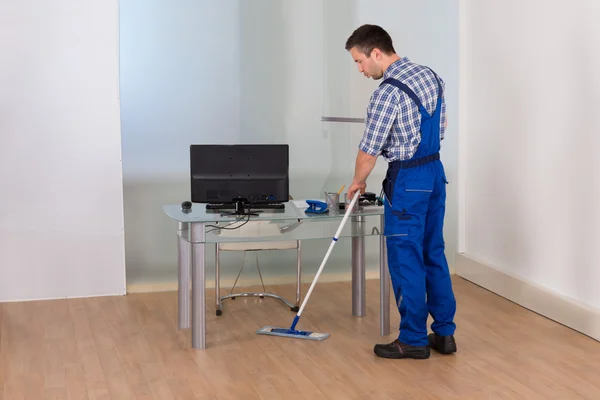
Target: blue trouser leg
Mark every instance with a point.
(440, 297)
(405, 234)
(409, 282)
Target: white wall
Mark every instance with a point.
(529, 142)
(281, 66)
(61, 218)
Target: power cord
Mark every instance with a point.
(227, 227)
(380, 200)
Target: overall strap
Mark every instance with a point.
(404, 88)
(439, 84)
(409, 92)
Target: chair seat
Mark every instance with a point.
(255, 246)
(256, 229)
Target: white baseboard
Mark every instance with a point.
(554, 306)
(171, 285)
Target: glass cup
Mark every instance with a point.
(347, 201)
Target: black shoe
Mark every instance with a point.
(443, 344)
(397, 349)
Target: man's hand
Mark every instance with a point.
(354, 187)
(364, 165)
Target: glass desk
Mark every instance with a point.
(199, 227)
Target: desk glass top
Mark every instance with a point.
(292, 223)
(291, 212)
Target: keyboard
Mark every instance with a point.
(262, 206)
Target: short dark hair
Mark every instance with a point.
(367, 37)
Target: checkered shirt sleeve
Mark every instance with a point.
(381, 113)
(387, 105)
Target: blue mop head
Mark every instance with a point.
(292, 333)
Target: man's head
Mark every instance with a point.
(372, 49)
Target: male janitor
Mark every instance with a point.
(405, 123)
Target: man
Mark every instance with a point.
(405, 123)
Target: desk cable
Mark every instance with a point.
(228, 226)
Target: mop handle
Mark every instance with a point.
(335, 238)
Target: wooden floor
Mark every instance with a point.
(129, 348)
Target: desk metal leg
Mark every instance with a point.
(299, 275)
(359, 305)
(197, 237)
(184, 260)
(384, 284)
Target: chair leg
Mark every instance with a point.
(217, 281)
(298, 277)
(263, 294)
(238, 275)
(260, 275)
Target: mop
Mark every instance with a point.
(291, 331)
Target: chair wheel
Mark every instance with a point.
(233, 298)
(262, 297)
(219, 312)
(295, 309)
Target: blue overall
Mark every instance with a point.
(415, 192)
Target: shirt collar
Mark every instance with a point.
(395, 67)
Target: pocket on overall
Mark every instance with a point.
(407, 212)
(411, 199)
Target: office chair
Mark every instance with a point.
(256, 229)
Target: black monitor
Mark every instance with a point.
(240, 174)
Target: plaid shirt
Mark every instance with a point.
(393, 119)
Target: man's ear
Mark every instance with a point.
(377, 54)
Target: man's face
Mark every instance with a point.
(368, 66)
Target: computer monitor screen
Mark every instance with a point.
(229, 173)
